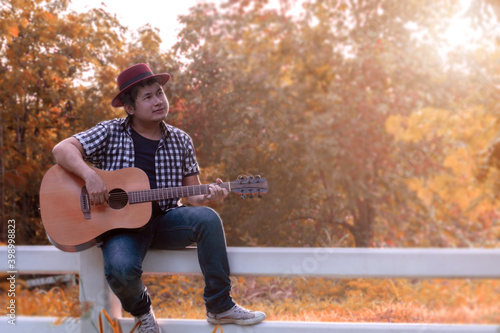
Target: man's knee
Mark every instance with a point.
(210, 217)
(120, 274)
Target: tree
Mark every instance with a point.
(304, 99)
(236, 93)
(463, 210)
(45, 54)
(315, 100)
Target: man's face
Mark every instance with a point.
(151, 104)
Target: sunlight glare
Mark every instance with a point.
(460, 32)
(162, 15)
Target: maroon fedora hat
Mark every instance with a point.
(133, 75)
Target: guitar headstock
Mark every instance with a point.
(253, 186)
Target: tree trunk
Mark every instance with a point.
(363, 223)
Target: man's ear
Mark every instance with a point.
(129, 109)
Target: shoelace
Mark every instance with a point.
(236, 309)
(242, 310)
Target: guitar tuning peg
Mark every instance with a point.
(258, 178)
(259, 196)
(243, 196)
(252, 196)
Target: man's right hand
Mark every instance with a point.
(96, 188)
(69, 154)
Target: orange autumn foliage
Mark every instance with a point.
(298, 299)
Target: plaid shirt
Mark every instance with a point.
(109, 146)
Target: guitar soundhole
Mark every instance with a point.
(118, 198)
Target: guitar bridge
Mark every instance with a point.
(85, 203)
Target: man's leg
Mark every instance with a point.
(184, 226)
(123, 255)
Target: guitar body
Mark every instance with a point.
(72, 224)
(69, 226)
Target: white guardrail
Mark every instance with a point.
(284, 262)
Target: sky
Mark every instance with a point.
(134, 14)
(163, 15)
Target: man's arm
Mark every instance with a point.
(69, 154)
(216, 192)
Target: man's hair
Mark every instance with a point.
(129, 97)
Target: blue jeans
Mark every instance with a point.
(124, 253)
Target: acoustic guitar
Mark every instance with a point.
(72, 224)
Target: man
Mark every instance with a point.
(167, 155)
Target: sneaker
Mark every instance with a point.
(147, 323)
(236, 315)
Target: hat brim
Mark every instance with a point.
(117, 101)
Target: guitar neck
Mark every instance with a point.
(171, 192)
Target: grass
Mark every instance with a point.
(296, 299)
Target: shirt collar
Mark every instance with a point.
(127, 126)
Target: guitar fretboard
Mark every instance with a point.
(169, 193)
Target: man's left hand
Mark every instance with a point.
(216, 193)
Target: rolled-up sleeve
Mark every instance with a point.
(94, 143)
(191, 166)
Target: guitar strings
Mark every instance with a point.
(121, 197)
(118, 197)
(168, 191)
